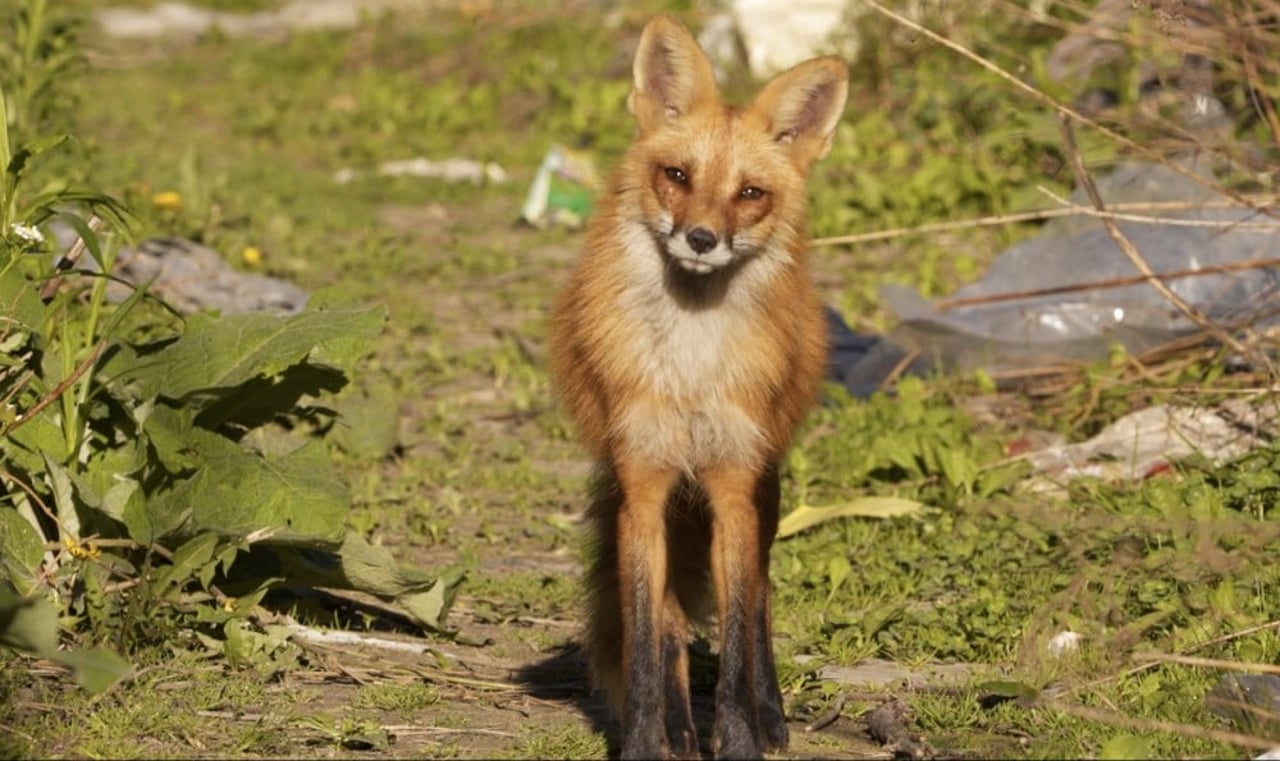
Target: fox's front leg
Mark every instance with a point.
(772, 728)
(682, 741)
(642, 577)
(741, 604)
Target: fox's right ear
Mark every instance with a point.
(803, 104)
(672, 76)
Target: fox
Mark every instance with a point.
(687, 345)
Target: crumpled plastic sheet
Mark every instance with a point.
(1024, 333)
(1083, 325)
(1150, 440)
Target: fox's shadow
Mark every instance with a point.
(561, 677)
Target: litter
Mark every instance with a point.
(450, 170)
(1147, 442)
(1070, 294)
(563, 190)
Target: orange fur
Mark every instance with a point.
(687, 345)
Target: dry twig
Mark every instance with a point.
(1121, 211)
(68, 260)
(1213, 663)
(1115, 282)
(1131, 252)
(1063, 109)
(1153, 725)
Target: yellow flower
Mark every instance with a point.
(168, 199)
(87, 551)
(251, 255)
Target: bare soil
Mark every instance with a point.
(513, 670)
(509, 681)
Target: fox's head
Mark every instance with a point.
(718, 184)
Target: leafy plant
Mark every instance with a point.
(38, 61)
(916, 440)
(159, 475)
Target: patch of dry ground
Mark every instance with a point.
(510, 682)
(513, 673)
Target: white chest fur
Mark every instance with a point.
(695, 365)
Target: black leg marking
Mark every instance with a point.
(642, 724)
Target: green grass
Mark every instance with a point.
(158, 714)
(561, 742)
(400, 698)
(249, 134)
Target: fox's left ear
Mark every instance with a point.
(803, 105)
(672, 76)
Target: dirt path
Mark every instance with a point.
(512, 683)
(487, 477)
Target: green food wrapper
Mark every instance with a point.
(563, 191)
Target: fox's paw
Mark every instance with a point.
(771, 726)
(644, 740)
(684, 744)
(733, 737)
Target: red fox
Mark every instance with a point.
(687, 345)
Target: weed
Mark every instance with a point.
(235, 143)
(131, 472)
(404, 699)
(572, 741)
(347, 733)
(39, 62)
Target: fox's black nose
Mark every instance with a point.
(701, 240)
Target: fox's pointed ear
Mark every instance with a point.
(803, 105)
(672, 76)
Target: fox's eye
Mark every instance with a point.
(751, 193)
(677, 175)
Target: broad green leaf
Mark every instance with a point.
(116, 501)
(806, 516)
(901, 450)
(235, 492)
(348, 347)
(245, 644)
(227, 555)
(958, 468)
(188, 561)
(260, 400)
(21, 157)
(358, 565)
(1007, 689)
(63, 498)
(36, 438)
(838, 569)
(137, 519)
(96, 669)
(105, 475)
(28, 623)
(227, 351)
(238, 645)
(430, 608)
(86, 234)
(170, 433)
(368, 426)
(1124, 746)
(1002, 477)
(21, 550)
(19, 302)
